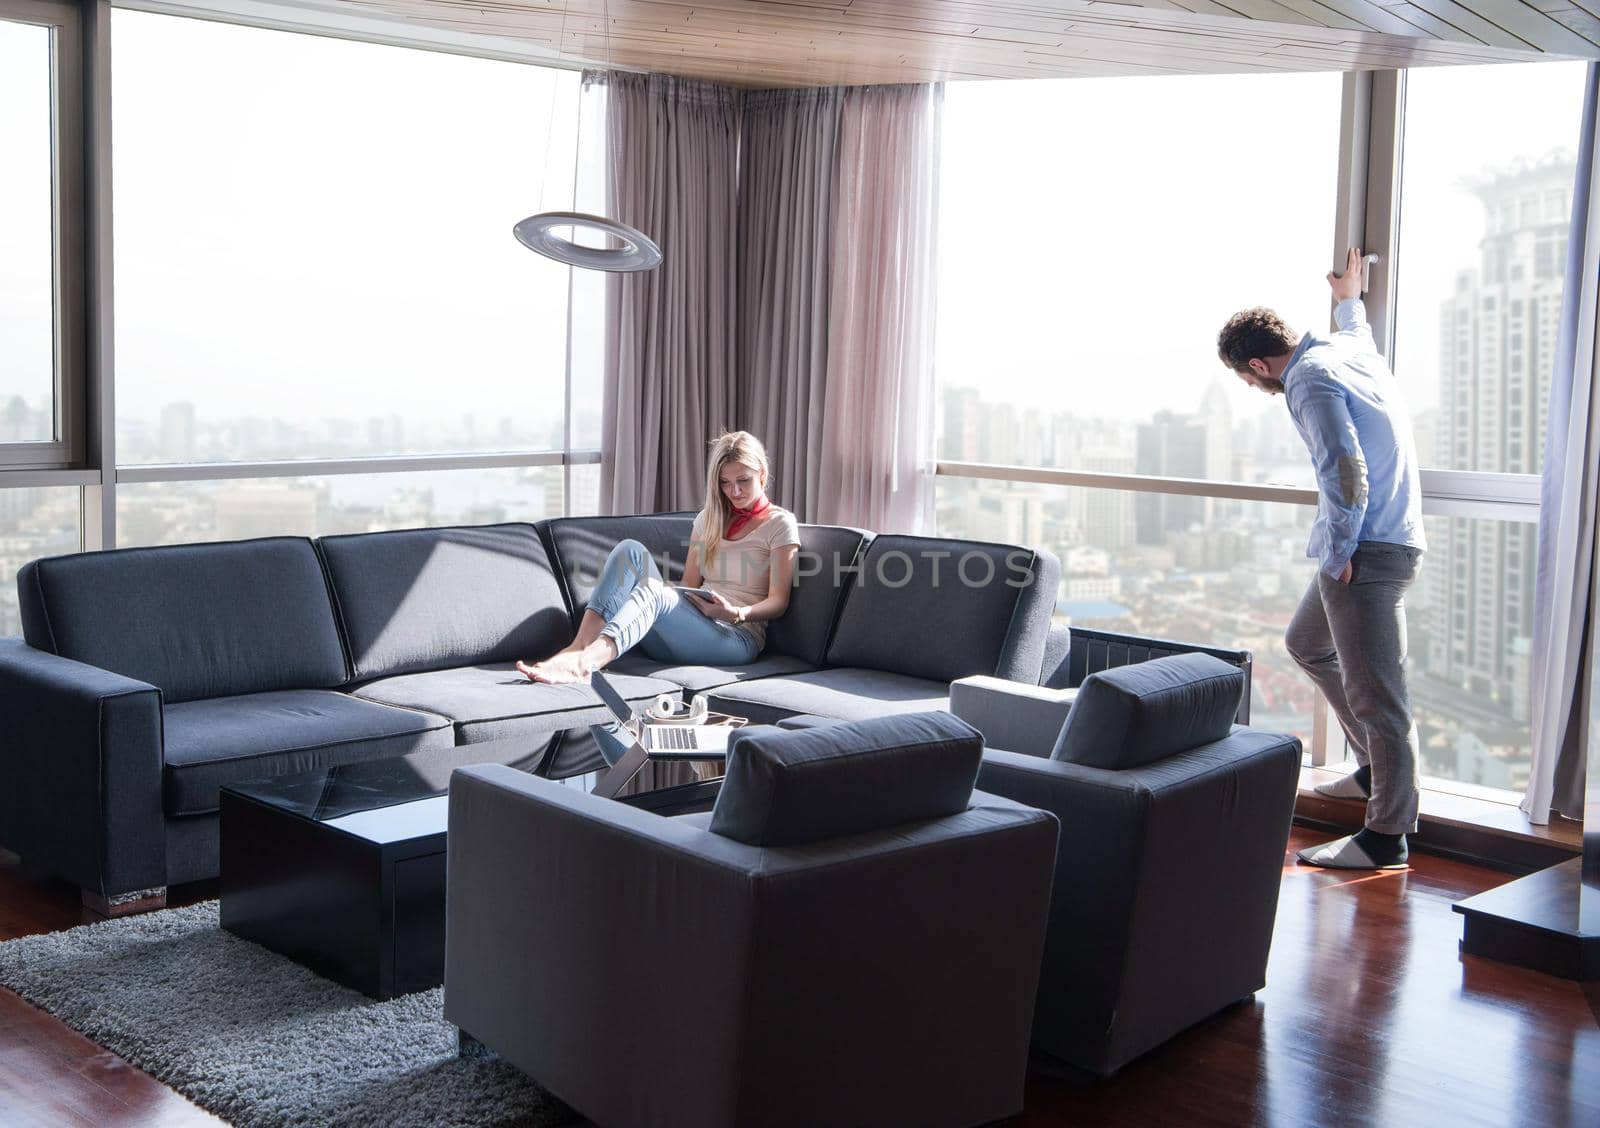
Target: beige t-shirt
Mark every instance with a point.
(741, 571)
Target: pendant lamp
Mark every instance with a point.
(539, 232)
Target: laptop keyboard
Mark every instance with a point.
(677, 739)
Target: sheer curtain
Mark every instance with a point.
(1563, 610)
(787, 152)
(875, 463)
(795, 298)
(668, 374)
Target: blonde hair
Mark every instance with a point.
(734, 446)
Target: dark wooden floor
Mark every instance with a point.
(1370, 1016)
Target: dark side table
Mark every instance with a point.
(343, 870)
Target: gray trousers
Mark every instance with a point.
(1351, 640)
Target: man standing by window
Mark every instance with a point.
(1349, 633)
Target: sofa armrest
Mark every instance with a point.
(1012, 715)
(583, 935)
(81, 753)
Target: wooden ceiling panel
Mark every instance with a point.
(852, 42)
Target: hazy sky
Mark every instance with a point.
(1089, 257)
(310, 227)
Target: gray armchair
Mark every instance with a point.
(1174, 824)
(852, 936)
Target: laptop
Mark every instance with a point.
(661, 741)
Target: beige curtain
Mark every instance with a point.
(672, 152)
(788, 148)
(1564, 612)
(874, 465)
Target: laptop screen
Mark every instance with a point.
(608, 693)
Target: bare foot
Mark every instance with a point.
(558, 669)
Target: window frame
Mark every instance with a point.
(68, 243)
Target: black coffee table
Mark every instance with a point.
(343, 870)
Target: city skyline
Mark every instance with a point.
(1231, 573)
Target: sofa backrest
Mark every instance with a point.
(429, 599)
(579, 547)
(196, 621)
(948, 609)
(787, 788)
(1135, 715)
(1072, 654)
(824, 572)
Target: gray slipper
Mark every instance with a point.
(1345, 787)
(1345, 854)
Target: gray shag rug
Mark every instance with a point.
(256, 1038)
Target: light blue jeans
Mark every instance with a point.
(641, 610)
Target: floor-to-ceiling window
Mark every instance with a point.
(1489, 160)
(321, 321)
(314, 263)
(41, 296)
(1096, 233)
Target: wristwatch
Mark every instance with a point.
(742, 613)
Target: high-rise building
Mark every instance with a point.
(1496, 356)
(1216, 416)
(960, 440)
(1169, 446)
(1104, 518)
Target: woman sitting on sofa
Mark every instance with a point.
(741, 550)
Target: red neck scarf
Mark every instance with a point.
(743, 517)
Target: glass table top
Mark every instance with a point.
(407, 796)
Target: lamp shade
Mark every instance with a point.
(538, 233)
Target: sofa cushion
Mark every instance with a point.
(1134, 715)
(579, 547)
(491, 702)
(196, 621)
(947, 609)
(698, 679)
(824, 568)
(428, 599)
(787, 788)
(846, 694)
(227, 739)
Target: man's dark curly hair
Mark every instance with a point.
(1254, 334)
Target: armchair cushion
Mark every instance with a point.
(786, 788)
(1135, 715)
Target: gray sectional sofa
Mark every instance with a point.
(147, 679)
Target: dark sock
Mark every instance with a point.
(1385, 849)
(1363, 776)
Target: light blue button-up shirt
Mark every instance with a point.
(1352, 415)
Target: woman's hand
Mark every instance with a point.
(717, 607)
